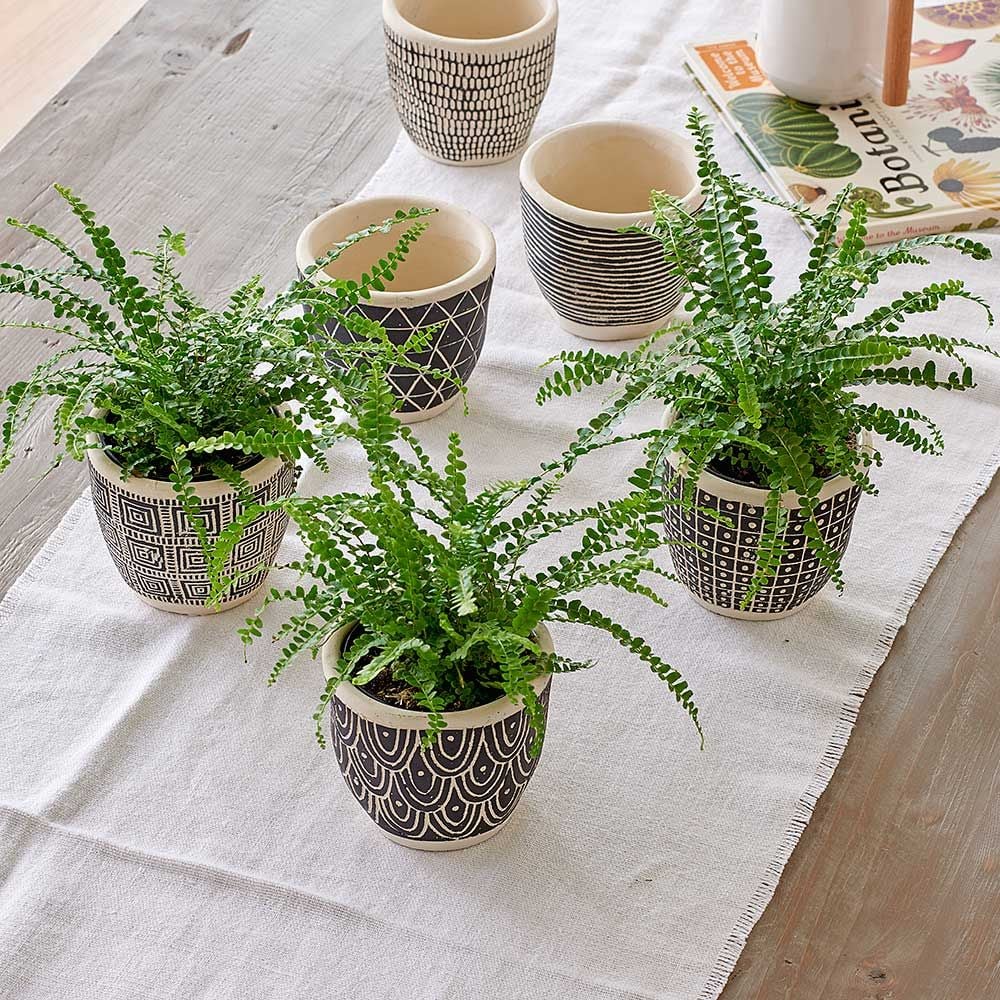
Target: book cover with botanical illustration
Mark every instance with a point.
(932, 165)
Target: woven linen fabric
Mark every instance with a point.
(169, 830)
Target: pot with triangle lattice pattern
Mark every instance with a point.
(445, 282)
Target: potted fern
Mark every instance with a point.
(186, 414)
(433, 633)
(768, 439)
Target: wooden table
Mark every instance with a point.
(186, 119)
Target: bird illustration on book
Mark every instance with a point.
(928, 53)
(957, 141)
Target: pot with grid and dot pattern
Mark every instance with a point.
(715, 556)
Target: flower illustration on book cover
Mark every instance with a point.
(946, 97)
(970, 14)
(971, 183)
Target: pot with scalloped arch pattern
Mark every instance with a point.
(454, 794)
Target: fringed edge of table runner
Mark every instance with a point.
(802, 813)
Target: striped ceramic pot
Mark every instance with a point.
(157, 552)
(468, 76)
(715, 557)
(445, 281)
(580, 186)
(456, 793)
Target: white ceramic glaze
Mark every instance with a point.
(822, 51)
(467, 77)
(482, 26)
(445, 279)
(580, 186)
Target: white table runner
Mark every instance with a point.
(168, 828)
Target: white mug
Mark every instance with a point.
(822, 51)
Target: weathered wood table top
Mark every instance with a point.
(183, 119)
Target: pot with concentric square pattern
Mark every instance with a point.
(456, 793)
(468, 76)
(158, 553)
(716, 539)
(444, 283)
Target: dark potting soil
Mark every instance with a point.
(160, 473)
(737, 467)
(391, 691)
(384, 688)
(237, 460)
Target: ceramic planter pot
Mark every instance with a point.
(446, 279)
(154, 547)
(580, 186)
(716, 561)
(458, 792)
(467, 77)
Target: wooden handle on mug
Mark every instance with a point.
(898, 38)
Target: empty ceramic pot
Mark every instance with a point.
(469, 77)
(445, 281)
(158, 553)
(457, 792)
(580, 186)
(716, 559)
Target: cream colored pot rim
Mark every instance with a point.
(403, 718)
(692, 200)
(754, 496)
(384, 206)
(160, 488)
(542, 27)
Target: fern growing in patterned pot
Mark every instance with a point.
(185, 415)
(432, 630)
(772, 408)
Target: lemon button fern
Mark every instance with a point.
(185, 391)
(435, 576)
(777, 388)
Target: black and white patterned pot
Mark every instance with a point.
(468, 76)
(158, 553)
(445, 281)
(454, 794)
(580, 186)
(715, 558)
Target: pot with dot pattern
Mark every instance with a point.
(468, 78)
(715, 541)
(457, 792)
